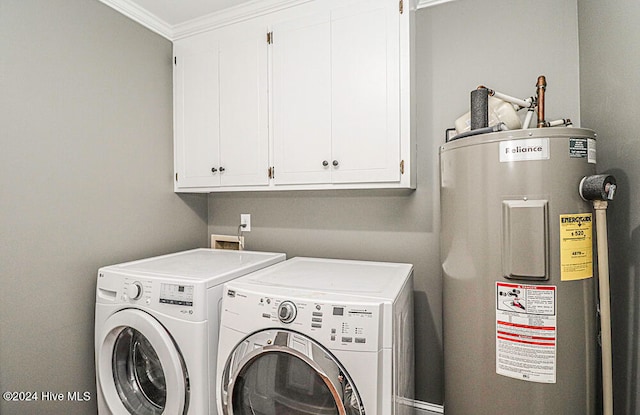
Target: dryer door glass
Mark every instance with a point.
(138, 374)
(278, 372)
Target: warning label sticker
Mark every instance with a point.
(526, 332)
(583, 148)
(578, 148)
(576, 249)
(591, 144)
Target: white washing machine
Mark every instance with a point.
(156, 330)
(317, 337)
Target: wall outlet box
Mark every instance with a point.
(245, 222)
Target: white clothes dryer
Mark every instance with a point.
(317, 337)
(156, 330)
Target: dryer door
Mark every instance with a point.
(140, 369)
(276, 372)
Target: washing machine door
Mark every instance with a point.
(140, 369)
(277, 372)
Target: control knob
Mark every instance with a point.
(134, 290)
(287, 312)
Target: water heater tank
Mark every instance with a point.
(519, 309)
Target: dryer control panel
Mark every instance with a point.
(338, 325)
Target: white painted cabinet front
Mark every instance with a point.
(221, 113)
(365, 93)
(301, 101)
(196, 114)
(337, 112)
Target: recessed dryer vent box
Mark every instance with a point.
(227, 242)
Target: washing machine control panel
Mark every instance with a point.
(142, 291)
(176, 294)
(339, 325)
(287, 312)
(135, 290)
(180, 299)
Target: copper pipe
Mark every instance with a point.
(541, 86)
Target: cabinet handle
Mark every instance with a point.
(222, 169)
(213, 170)
(335, 163)
(325, 163)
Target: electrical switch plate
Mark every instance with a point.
(245, 219)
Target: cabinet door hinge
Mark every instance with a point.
(270, 37)
(402, 167)
(176, 177)
(272, 172)
(175, 60)
(401, 6)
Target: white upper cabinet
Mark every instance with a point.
(221, 112)
(336, 96)
(318, 95)
(301, 99)
(196, 114)
(365, 92)
(244, 128)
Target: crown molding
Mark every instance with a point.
(142, 16)
(214, 20)
(232, 15)
(428, 3)
(210, 21)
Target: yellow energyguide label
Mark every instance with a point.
(576, 247)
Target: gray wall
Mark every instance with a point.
(85, 181)
(86, 164)
(609, 68)
(460, 45)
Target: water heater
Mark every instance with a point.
(519, 299)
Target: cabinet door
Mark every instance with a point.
(196, 113)
(365, 92)
(301, 100)
(244, 135)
